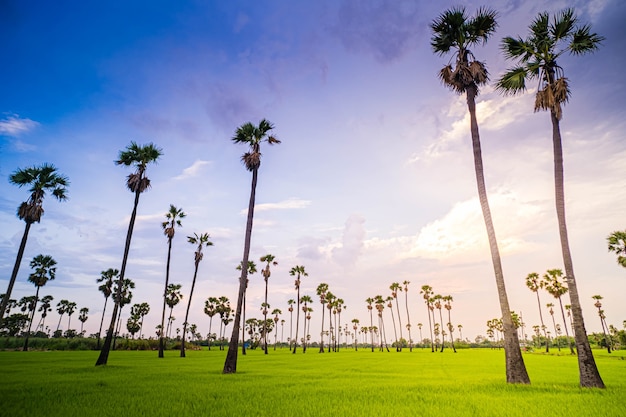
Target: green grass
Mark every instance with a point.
(347, 383)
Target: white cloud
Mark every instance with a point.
(289, 204)
(353, 241)
(192, 171)
(13, 125)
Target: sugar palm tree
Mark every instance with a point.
(251, 270)
(340, 307)
(331, 302)
(380, 306)
(447, 299)
(305, 300)
(122, 297)
(389, 301)
(455, 31)
(268, 259)
(556, 289)
(550, 307)
(252, 136)
(45, 307)
(61, 309)
(598, 305)
(106, 288)
(395, 288)
(137, 156)
(617, 243)
(534, 283)
(536, 58)
(355, 326)
(83, 316)
(290, 303)
(142, 311)
(172, 220)
(200, 241)
(299, 272)
(370, 308)
(210, 309)
(437, 304)
(173, 295)
(408, 318)
(44, 269)
(321, 291)
(427, 292)
(276, 312)
(40, 179)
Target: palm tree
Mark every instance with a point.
(380, 306)
(45, 307)
(251, 270)
(122, 297)
(269, 259)
(427, 292)
(369, 302)
(199, 241)
(598, 305)
(297, 271)
(142, 311)
(40, 179)
(339, 307)
(556, 289)
(173, 295)
(290, 303)
(276, 312)
(304, 300)
(408, 318)
(355, 326)
(551, 311)
(331, 303)
(107, 277)
(419, 326)
(252, 136)
(448, 306)
(44, 269)
(395, 287)
(61, 309)
(534, 284)
(210, 309)
(321, 291)
(455, 31)
(537, 57)
(84, 315)
(173, 218)
(437, 304)
(389, 300)
(138, 156)
(617, 243)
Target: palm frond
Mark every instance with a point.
(562, 24)
(479, 72)
(448, 30)
(513, 81)
(482, 25)
(513, 48)
(583, 41)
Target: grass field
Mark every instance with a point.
(346, 383)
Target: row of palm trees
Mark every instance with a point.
(535, 58)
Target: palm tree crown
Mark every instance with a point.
(253, 136)
(138, 156)
(455, 30)
(41, 179)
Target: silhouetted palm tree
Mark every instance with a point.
(268, 259)
(44, 270)
(106, 288)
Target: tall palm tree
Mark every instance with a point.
(61, 309)
(380, 306)
(173, 219)
(290, 303)
(437, 304)
(370, 308)
(551, 311)
(419, 326)
(534, 283)
(173, 295)
(331, 303)
(408, 318)
(617, 243)
(40, 179)
(389, 301)
(427, 292)
(598, 305)
(395, 288)
(447, 299)
(142, 310)
(45, 307)
(83, 316)
(305, 300)
(44, 269)
(276, 312)
(321, 291)
(556, 289)
(137, 156)
(536, 57)
(251, 270)
(252, 136)
(355, 326)
(269, 259)
(340, 307)
(106, 288)
(122, 297)
(455, 31)
(298, 271)
(199, 241)
(210, 309)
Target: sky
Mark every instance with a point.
(372, 184)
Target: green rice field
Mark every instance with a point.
(345, 383)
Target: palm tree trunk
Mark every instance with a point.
(430, 326)
(589, 375)
(230, 364)
(167, 280)
(265, 318)
(16, 268)
(104, 353)
(569, 343)
(371, 330)
(295, 345)
(395, 332)
(408, 320)
(399, 348)
(102, 321)
(443, 339)
(193, 284)
(515, 368)
(322, 333)
(30, 324)
(543, 326)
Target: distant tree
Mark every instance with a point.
(268, 259)
(617, 244)
(321, 291)
(305, 300)
(370, 308)
(210, 309)
(554, 286)
(298, 271)
(40, 179)
(173, 295)
(408, 318)
(534, 283)
(83, 316)
(395, 288)
(427, 292)
(45, 307)
(44, 269)
(139, 157)
(62, 307)
(106, 288)
(598, 305)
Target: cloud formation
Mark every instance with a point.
(13, 125)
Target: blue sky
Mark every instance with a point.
(373, 182)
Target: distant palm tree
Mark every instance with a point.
(61, 309)
(142, 311)
(173, 218)
(437, 304)
(551, 311)
(305, 300)
(380, 306)
(199, 241)
(84, 315)
(331, 303)
(40, 179)
(173, 295)
(419, 326)
(44, 269)
(252, 136)
(268, 259)
(617, 243)
(139, 157)
(210, 309)
(369, 302)
(598, 305)
(408, 318)
(389, 300)
(122, 297)
(395, 288)
(427, 292)
(455, 31)
(107, 277)
(447, 299)
(45, 307)
(556, 289)
(321, 291)
(298, 271)
(251, 270)
(340, 306)
(290, 303)
(534, 284)
(536, 57)
(276, 312)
